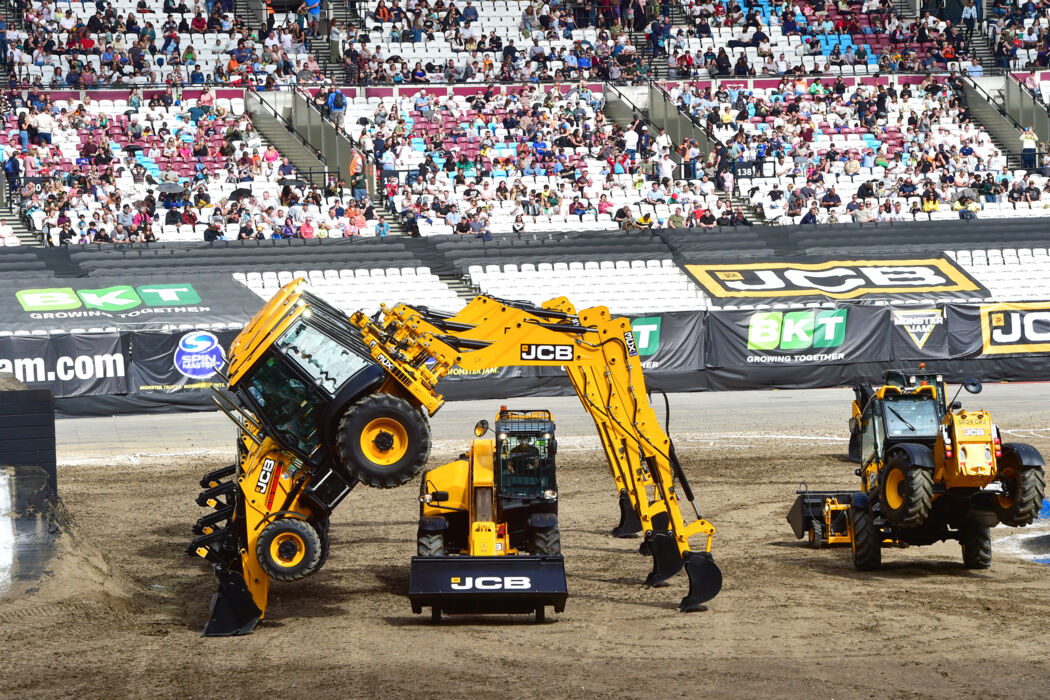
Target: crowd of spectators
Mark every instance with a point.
(431, 42)
(91, 45)
(164, 170)
(527, 160)
(1018, 33)
(828, 151)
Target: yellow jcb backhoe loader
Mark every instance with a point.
(930, 471)
(324, 402)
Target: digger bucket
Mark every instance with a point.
(705, 578)
(473, 585)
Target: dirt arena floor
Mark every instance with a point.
(121, 609)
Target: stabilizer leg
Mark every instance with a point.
(233, 611)
(705, 580)
(629, 525)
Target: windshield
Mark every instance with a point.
(910, 417)
(286, 402)
(328, 362)
(525, 464)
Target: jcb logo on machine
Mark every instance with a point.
(385, 361)
(973, 431)
(265, 474)
(1015, 328)
(547, 353)
(836, 279)
(491, 583)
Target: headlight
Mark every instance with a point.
(550, 494)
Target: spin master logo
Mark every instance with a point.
(199, 355)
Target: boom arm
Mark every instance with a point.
(419, 347)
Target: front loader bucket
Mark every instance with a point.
(472, 585)
(233, 611)
(705, 580)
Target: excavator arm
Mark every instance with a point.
(418, 347)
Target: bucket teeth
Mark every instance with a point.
(214, 478)
(211, 522)
(217, 496)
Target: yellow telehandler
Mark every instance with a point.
(324, 402)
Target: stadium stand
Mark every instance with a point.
(485, 41)
(154, 42)
(832, 151)
(122, 155)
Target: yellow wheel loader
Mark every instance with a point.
(488, 539)
(324, 402)
(930, 471)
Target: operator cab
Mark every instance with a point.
(314, 367)
(525, 450)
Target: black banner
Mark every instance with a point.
(126, 302)
(69, 364)
(919, 333)
(806, 280)
(176, 362)
(996, 330)
(798, 337)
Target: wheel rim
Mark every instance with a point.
(1008, 477)
(287, 549)
(895, 482)
(384, 441)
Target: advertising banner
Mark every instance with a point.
(69, 365)
(174, 362)
(919, 333)
(805, 281)
(798, 337)
(993, 330)
(126, 302)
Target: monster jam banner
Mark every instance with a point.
(69, 365)
(801, 337)
(919, 333)
(131, 302)
(175, 362)
(996, 330)
(806, 280)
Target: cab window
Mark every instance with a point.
(326, 361)
(287, 403)
(910, 417)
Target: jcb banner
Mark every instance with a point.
(731, 283)
(1015, 329)
(799, 337)
(919, 333)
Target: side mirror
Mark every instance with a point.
(956, 405)
(854, 426)
(972, 386)
(481, 427)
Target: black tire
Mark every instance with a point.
(288, 549)
(1022, 496)
(546, 541)
(905, 493)
(976, 542)
(402, 436)
(867, 541)
(816, 534)
(430, 544)
(322, 532)
(854, 447)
